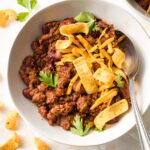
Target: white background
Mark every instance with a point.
(7, 36)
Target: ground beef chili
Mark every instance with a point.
(53, 103)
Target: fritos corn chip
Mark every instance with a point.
(110, 113)
(40, 144)
(6, 16)
(2, 105)
(12, 144)
(12, 120)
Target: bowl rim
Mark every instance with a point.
(138, 9)
(53, 3)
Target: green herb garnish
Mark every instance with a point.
(23, 3)
(33, 3)
(88, 18)
(78, 126)
(28, 4)
(49, 78)
(120, 83)
(22, 16)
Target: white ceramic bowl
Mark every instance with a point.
(32, 29)
(138, 9)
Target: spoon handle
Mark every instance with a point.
(143, 135)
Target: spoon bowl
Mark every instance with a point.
(132, 60)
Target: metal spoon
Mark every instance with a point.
(133, 63)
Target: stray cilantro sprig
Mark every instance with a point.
(49, 78)
(120, 83)
(23, 3)
(33, 3)
(88, 18)
(78, 127)
(22, 16)
(29, 5)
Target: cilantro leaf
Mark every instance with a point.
(88, 18)
(78, 126)
(23, 3)
(49, 78)
(84, 17)
(120, 83)
(87, 128)
(56, 79)
(95, 27)
(91, 25)
(22, 16)
(33, 3)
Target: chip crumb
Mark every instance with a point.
(12, 120)
(12, 144)
(3, 19)
(6, 16)
(12, 15)
(40, 144)
(2, 105)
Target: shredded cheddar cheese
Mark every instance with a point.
(71, 84)
(102, 81)
(84, 42)
(106, 43)
(105, 97)
(103, 33)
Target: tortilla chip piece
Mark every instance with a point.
(63, 44)
(110, 113)
(12, 15)
(105, 97)
(104, 75)
(2, 105)
(40, 144)
(105, 86)
(3, 19)
(120, 72)
(118, 58)
(110, 49)
(68, 30)
(12, 144)
(85, 74)
(12, 120)
(6, 16)
(74, 28)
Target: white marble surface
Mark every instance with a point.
(128, 141)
